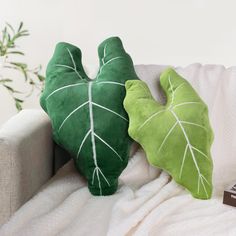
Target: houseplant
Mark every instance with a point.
(9, 52)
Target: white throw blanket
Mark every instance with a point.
(147, 202)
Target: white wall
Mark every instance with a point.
(177, 32)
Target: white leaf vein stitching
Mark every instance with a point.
(108, 145)
(74, 68)
(151, 117)
(105, 108)
(64, 87)
(110, 82)
(76, 109)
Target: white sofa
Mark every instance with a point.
(26, 159)
(147, 202)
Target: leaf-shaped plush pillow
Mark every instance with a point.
(176, 136)
(87, 115)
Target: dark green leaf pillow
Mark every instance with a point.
(176, 136)
(87, 115)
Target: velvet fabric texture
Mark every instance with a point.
(176, 136)
(87, 115)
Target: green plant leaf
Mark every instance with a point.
(40, 77)
(10, 26)
(9, 88)
(18, 104)
(19, 100)
(5, 80)
(20, 34)
(20, 27)
(22, 67)
(176, 136)
(19, 64)
(16, 52)
(4, 36)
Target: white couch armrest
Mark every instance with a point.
(26, 159)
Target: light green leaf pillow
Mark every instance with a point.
(88, 117)
(176, 136)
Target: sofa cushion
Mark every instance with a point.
(87, 115)
(176, 136)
